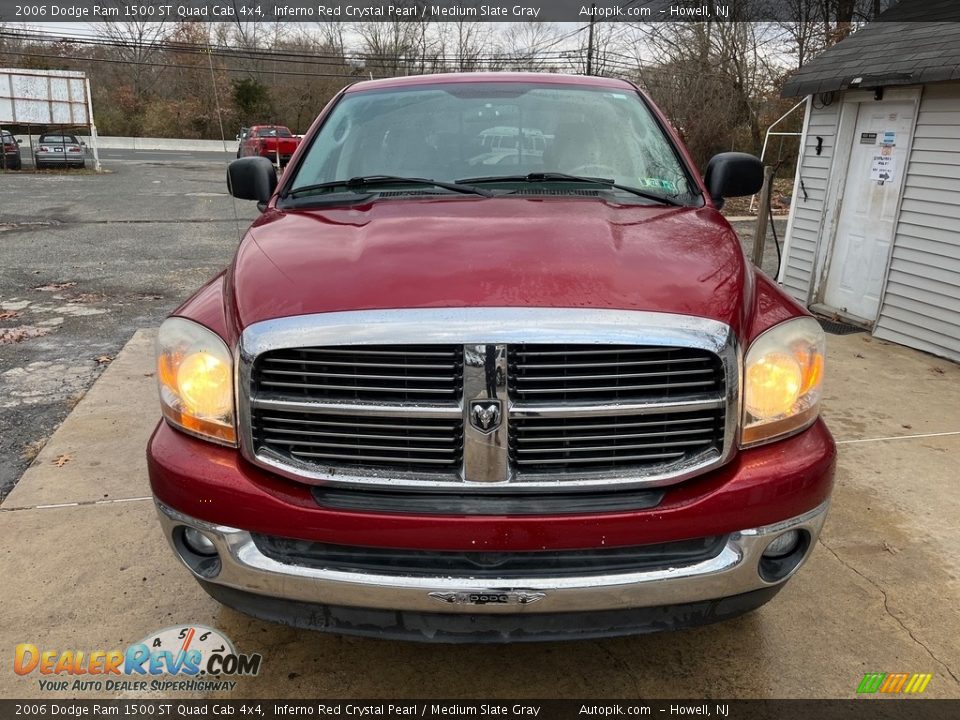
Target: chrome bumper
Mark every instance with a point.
(732, 572)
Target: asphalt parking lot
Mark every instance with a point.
(91, 266)
(89, 259)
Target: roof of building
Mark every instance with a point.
(915, 42)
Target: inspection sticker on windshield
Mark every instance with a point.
(658, 183)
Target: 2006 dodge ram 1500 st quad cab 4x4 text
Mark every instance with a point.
(436, 399)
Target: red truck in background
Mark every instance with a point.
(441, 399)
(274, 142)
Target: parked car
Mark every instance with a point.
(550, 403)
(11, 151)
(275, 142)
(58, 150)
(241, 137)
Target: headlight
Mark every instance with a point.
(195, 373)
(783, 373)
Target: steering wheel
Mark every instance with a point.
(595, 170)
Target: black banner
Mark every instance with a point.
(644, 11)
(877, 708)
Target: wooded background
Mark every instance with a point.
(718, 82)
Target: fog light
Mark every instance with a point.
(197, 542)
(782, 545)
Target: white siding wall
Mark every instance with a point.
(808, 215)
(921, 307)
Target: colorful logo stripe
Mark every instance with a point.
(893, 683)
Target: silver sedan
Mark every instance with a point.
(58, 150)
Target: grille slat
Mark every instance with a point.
(356, 446)
(358, 436)
(452, 352)
(382, 389)
(625, 459)
(347, 423)
(358, 363)
(391, 460)
(615, 389)
(604, 448)
(623, 363)
(578, 438)
(346, 376)
(575, 350)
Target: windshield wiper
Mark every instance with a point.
(537, 177)
(366, 182)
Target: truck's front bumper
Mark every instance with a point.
(730, 583)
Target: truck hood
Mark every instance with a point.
(501, 252)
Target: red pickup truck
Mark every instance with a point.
(434, 399)
(274, 142)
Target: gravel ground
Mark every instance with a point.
(89, 259)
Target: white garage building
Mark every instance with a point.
(874, 230)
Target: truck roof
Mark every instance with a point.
(487, 77)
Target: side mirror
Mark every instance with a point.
(733, 174)
(252, 178)
(19, 141)
(237, 138)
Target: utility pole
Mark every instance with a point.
(593, 10)
(763, 216)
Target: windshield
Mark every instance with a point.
(274, 132)
(68, 139)
(474, 130)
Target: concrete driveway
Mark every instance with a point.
(85, 567)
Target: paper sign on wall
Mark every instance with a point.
(889, 137)
(883, 167)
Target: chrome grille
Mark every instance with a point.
(405, 443)
(489, 401)
(578, 373)
(395, 373)
(548, 445)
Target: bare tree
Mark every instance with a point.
(390, 47)
(138, 44)
(529, 43)
(464, 43)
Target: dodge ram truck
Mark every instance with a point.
(436, 399)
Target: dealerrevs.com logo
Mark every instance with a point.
(186, 658)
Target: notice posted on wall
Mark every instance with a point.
(883, 168)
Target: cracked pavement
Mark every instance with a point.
(88, 259)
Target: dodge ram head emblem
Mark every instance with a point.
(485, 415)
